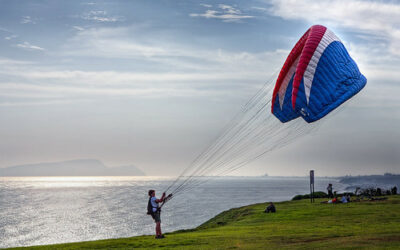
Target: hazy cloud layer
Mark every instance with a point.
(153, 83)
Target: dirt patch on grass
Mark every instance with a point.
(386, 238)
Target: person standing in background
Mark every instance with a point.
(330, 188)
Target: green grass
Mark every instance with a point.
(296, 225)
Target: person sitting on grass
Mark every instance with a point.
(270, 208)
(334, 200)
(154, 210)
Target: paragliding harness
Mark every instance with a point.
(150, 206)
(150, 209)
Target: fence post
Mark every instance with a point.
(312, 186)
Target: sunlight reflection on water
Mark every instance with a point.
(76, 181)
(47, 210)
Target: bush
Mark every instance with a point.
(307, 196)
(372, 191)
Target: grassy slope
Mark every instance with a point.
(297, 224)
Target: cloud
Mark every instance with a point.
(6, 62)
(218, 73)
(229, 9)
(110, 43)
(259, 9)
(224, 12)
(378, 19)
(4, 29)
(101, 16)
(86, 91)
(117, 43)
(78, 28)
(236, 70)
(206, 5)
(10, 37)
(175, 68)
(28, 46)
(118, 78)
(27, 19)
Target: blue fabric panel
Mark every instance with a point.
(287, 113)
(337, 79)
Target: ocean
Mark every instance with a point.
(49, 210)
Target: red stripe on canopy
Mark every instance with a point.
(315, 34)
(288, 63)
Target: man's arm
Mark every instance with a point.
(161, 199)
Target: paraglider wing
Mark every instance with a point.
(325, 77)
(281, 98)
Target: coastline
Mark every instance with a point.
(297, 224)
(76, 209)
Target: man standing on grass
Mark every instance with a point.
(330, 189)
(154, 210)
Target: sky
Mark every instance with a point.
(151, 83)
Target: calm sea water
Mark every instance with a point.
(48, 210)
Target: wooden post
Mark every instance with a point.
(312, 186)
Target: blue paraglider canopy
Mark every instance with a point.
(317, 77)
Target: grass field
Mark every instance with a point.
(296, 225)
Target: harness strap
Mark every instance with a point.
(151, 204)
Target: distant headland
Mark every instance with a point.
(386, 178)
